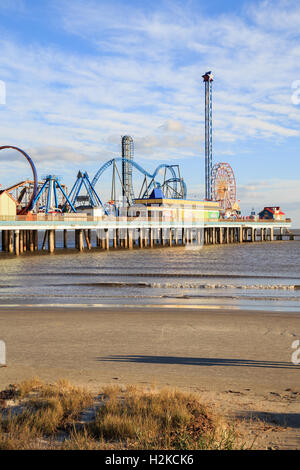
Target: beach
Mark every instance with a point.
(237, 359)
(219, 321)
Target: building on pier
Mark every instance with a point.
(8, 205)
(178, 210)
(272, 213)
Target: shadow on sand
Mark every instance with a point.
(198, 361)
(291, 420)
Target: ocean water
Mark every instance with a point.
(253, 275)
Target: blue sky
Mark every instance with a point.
(79, 74)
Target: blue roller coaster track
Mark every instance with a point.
(173, 180)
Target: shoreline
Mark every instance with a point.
(229, 309)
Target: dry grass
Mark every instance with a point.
(28, 386)
(41, 411)
(47, 416)
(165, 419)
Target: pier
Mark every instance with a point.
(21, 236)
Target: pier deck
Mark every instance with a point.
(21, 235)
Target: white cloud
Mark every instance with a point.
(280, 16)
(172, 126)
(141, 75)
(143, 84)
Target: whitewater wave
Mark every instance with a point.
(181, 285)
(223, 286)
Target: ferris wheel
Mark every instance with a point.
(223, 185)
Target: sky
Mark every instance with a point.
(78, 75)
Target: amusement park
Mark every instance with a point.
(160, 192)
(129, 182)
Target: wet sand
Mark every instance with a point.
(240, 360)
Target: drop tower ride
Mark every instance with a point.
(208, 79)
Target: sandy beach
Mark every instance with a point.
(238, 360)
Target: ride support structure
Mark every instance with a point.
(91, 197)
(52, 186)
(127, 156)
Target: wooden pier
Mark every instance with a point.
(21, 236)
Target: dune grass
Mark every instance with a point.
(41, 411)
(164, 419)
(50, 416)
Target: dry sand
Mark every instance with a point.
(238, 360)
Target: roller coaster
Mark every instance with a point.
(172, 186)
(29, 188)
(30, 193)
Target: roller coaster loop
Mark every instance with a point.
(140, 169)
(29, 206)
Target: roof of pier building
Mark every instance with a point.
(162, 201)
(272, 212)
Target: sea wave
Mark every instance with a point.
(223, 286)
(180, 285)
(158, 275)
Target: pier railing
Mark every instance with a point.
(108, 219)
